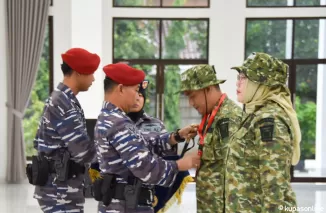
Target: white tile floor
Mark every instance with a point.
(17, 198)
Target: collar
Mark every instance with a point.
(67, 91)
(112, 108)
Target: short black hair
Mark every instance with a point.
(66, 70)
(109, 84)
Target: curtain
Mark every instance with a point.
(26, 24)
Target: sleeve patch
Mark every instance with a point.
(223, 126)
(267, 133)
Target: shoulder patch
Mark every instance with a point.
(223, 126)
(266, 127)
(151, 127)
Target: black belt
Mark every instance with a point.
(146, 197)
(74, 168)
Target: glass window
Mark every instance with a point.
(275, 37)
(161, 3)
(309, 82)
(184, 39)
(267, 3)
(303, 3)
(160, 39)
(285, 3)
(269, 36)
(39, 94)
(135, 38)
(309, 38)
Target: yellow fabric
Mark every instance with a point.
(257, 94)
(177, 195)
(94, 174)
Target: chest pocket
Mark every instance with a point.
(244, 149)
(211, 150)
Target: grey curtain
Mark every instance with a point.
(26, 23)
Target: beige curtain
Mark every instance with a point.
(26, 23)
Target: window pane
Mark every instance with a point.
(136, 39)
(308, 79)
(269, 36)
(182, 3)
(267, 3)
(136, 3)
(38, 96)
(150, 105)
(177, 111)
(184, 39)
(309, 38)
(309, 3)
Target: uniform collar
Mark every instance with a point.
(66, 90)
(111, 107)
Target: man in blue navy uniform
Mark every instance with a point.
(129, 170)
(62, 141)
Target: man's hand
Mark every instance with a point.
(191, 160)
(189, 131)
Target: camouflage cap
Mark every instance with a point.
(199, 77)
(264, 69)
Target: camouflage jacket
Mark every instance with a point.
(122, 150)
(63, 125)
(154, 132)
(210, 179)
(258, 163)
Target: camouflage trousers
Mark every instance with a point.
(53, 206)
(118, 206)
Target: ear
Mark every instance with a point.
(120, 88)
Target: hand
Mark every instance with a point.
(192, 160)
(189, 131)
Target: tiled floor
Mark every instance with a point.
(18, 199)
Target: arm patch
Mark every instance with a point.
(266, 129)
(223, 126)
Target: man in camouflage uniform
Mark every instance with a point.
(258, 163)
(121, 149)
(201, 86)
(63, 126)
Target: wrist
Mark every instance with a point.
(178, 137)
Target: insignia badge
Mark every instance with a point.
(266, 129)
(151, 127)
(266, 133)
(144, 84)
(223, 126)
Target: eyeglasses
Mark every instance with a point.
(241, 77)
(144, 84)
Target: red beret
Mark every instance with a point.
(124, 74)
(81, 60)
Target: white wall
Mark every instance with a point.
(3, 89)
(78, 23)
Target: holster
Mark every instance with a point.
(131, 192)
(104, 189)
(38, 171)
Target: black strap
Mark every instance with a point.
(74, 168)
(145, 198)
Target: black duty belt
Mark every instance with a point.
(146, 197)
(74, 168)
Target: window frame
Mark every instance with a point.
(161, 62)
(50, 24)
(292, 6)
(293, 62)
(163, 7)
